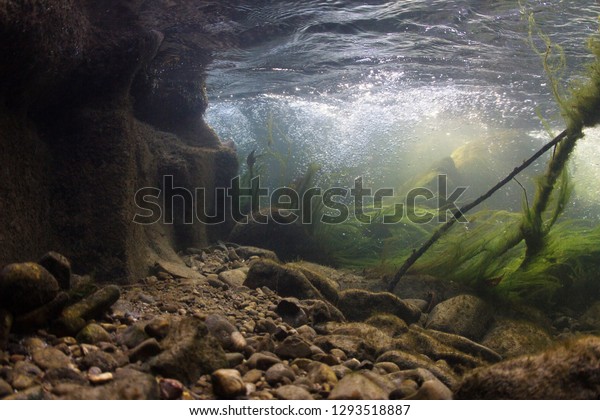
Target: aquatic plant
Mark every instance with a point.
(495, 257)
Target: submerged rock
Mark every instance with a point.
(93, 305)
(59, 266)
(127, 384)
(26, 286)
(569, 371)
(359, 305)
(190, 351)
(93, 334)
(511, 338)
(284, 280)
(228, 383)
(41, 317)
(362, 386)
(465, 315)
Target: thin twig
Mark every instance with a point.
(460, 212)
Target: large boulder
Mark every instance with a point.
(511, 338)
(465, 315)
(359, 305)
(569, 371)
(190, 351)
(26, 286)
(286, 281)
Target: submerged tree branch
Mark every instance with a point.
(460, 212)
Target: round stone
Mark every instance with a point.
(26, 286)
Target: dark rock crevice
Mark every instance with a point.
(77, 140)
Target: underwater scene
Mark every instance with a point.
(396, 94)
(316, 200)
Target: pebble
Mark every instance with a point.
(293, 347)
(320, 373)
(262, 361)
(279, 374)
(253, 376)
(100, 378)
(170, 389)
(234, 359)
(93, 334)
(228, 383)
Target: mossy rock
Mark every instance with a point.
(26, 286)
(327, 287)
(465, 315)
(359, 305)
(512, 338)
(190, 351)
(391, 324)
(284, 280)
(567, 372)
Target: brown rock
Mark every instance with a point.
(569, 371)
(59, 266)
(228, 383)
(464, 315)
(359, 305)
(25, 287)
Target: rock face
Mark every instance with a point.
(566, 372)
(100, 99)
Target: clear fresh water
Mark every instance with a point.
(383, 89)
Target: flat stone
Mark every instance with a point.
(292, 392)
(50, 358)
(177, 270)
(60, 375)
(233, 278)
